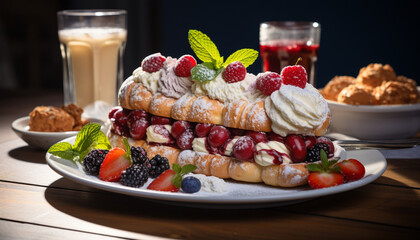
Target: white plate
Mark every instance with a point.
(239, 195)
(42, 140)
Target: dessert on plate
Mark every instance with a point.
(227, 122)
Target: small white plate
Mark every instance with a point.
(239, 195)
(43, 140)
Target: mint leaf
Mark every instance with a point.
(87, 135)
(187, 169)
(63, 150)
(313, 167)
(204, 72)
(176, 168)
(203, 46)
(176, 180)
(246, 56)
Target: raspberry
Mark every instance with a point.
(268, 82)
(158, 165)
(184, 65)
(92, 162)
(153, 63)
(294, 75)
(135, 176)
(313, 153)
(234, 72)
(139, 155)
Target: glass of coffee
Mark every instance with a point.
(283, 43)
(92, 44)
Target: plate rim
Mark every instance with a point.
(15, 126)
(92, 181)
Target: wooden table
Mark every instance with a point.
(37, 203)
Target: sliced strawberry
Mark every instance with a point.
(324, 179)
(352, 170)
(114, 163)
(164, 182)
(234, 72)
(184, 65)
(294, 75)
(153, 63)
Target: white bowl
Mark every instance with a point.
(43, 140)
(375, 122)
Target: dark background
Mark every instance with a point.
(354, 34)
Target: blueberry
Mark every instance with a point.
(190, 184)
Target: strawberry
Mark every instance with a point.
(352, 170)
(114, 163)
(184, 65)
(170, 180)
(153, 63)
(234, 72)
(294, 75)
(268, 82)
(324, 174)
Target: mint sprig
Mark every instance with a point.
(90, 137)
(213, 64)
(179, 172)
(325, 165)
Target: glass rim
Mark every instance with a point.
(291, 24)
(92, 12)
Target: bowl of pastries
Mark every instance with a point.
(376, 104)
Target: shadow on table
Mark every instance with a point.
(28, 154)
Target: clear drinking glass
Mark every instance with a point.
(283, 43)
(92, 44)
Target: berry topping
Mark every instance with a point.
(297, 147)
(203, 129)
(92, 162)
(113, 111)
(217, 136)
(324, 174)
(352, 170)
(236, 132)
(153, 63)
(294, 75)
(244, 148)
(185, 139)
(257, 136)
(268, 82)
(158, 165)
(309, 141)
(114, 163)
(139, 155)
(313, 153)
(170, 180)
(135, 176)
(179, 127)
(156, 120)
(136, 115)
(234, 72)
(275, 137)
(329, 142)
(121, 117)
(138, 129)
(184, 65)
(190, 184)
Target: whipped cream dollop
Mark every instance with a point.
(267, 152)
(149, 80)
(199, 145)
(296, 110)
(220, 90)
(156, 134)
(170, 84)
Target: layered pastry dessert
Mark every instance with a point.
(376, 84)
(227, 122)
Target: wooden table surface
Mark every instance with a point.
(37, 203)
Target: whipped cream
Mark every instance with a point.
(199, 145)
(296, 110)
(229, 146)
(228, 92)
(170, 84)
(263, 158)
(152, 135)
(149, 80)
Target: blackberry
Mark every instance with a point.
(313, 153)
(92, 162)
(135, 176)
(158, 165)
(139, 155)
